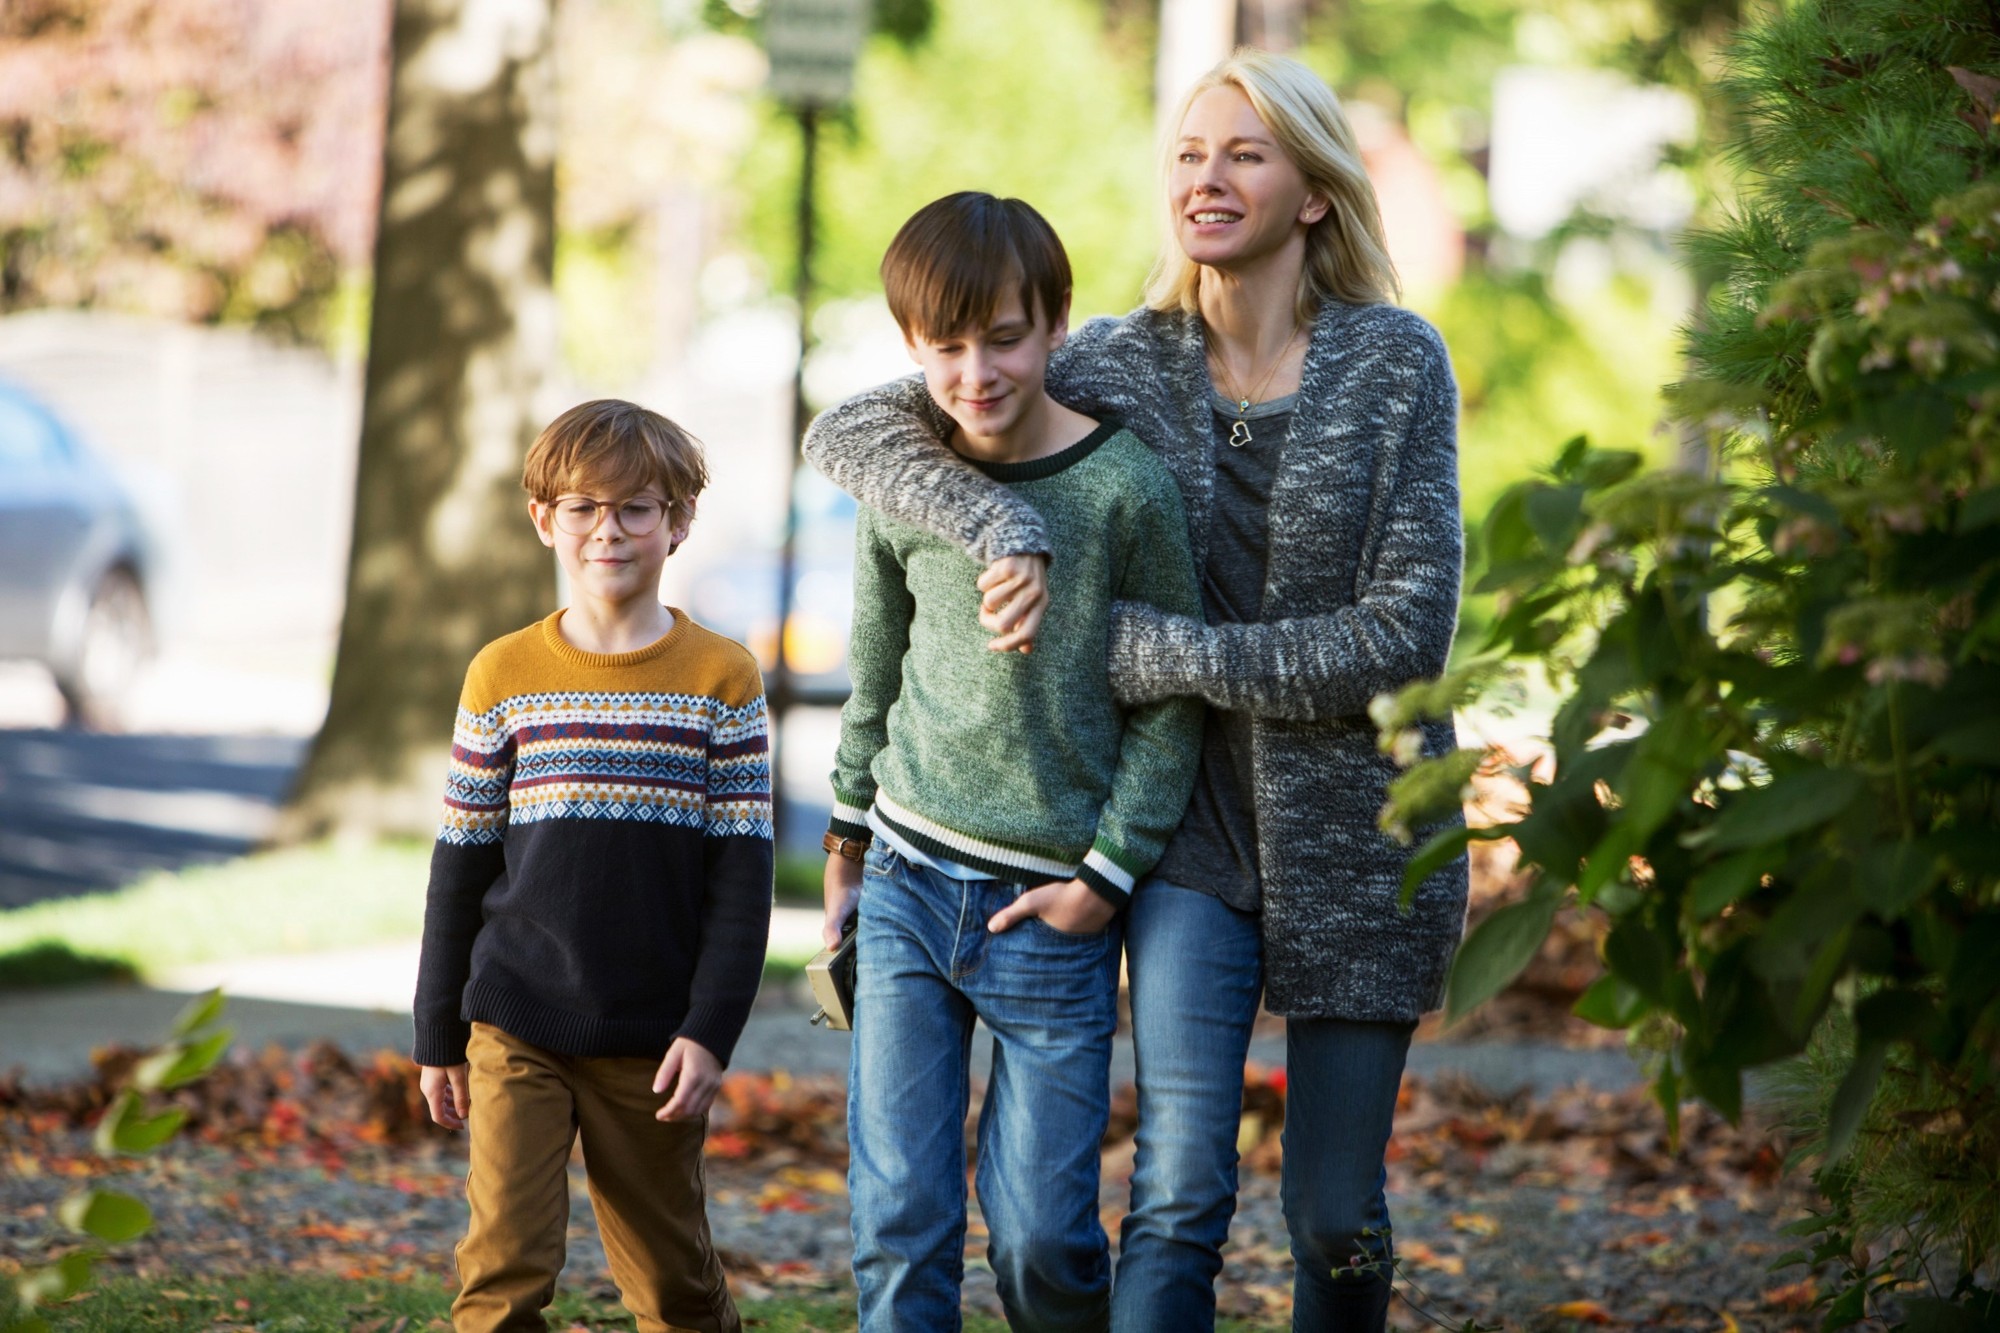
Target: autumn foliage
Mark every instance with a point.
(198, 160)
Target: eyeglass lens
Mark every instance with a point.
(638, 517)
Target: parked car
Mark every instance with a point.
(74, 561)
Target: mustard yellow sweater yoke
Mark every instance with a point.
(601, 881)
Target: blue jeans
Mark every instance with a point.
(928, 967)
(1195, 967)
(1340, 1105)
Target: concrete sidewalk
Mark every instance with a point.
(360, 999)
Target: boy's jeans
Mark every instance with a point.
(928, 966)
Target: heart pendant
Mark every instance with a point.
(1239, 433)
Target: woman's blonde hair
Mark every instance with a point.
(1347, 256)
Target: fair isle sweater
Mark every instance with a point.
(1360, 597)
(601, 882)
(1021, 766)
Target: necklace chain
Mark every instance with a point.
(1239, 429)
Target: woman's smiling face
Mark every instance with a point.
(1237, 197)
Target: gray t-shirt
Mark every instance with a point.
(1215, 848)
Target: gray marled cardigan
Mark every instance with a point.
(1360, 597)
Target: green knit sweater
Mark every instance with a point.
(1021, 765)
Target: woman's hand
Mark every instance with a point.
(694, 1074)
(842, 887)
(1016, 589)
(446, 1093)
(1072, 907)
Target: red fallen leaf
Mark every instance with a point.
(1641, 1240)
(728, 1143)
(778, 1199)
(1590, 1312)
(334, 1231)
(1793, 1295)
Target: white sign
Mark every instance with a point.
(813, 45)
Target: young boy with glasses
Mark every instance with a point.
(600, 895)
(1003, 804)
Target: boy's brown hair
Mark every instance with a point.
(619, 448)
(949, 266)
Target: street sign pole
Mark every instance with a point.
(813, 45)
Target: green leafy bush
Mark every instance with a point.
(127, 1128)
(1776, 764)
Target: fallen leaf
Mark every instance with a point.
(1590, 1312)
(1422, 1255)
(1478, 1224)
(1793, 1295)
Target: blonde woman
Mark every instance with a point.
(1311, 427)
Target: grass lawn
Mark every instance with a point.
(309, 899)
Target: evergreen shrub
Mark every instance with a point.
(1776, 764)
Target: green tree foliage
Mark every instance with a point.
(128, 1128)
(1036, 101)
(1776, 764)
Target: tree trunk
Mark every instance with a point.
(1274, 25)
(461, 336)
(1194, 36)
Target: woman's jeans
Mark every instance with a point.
(1195, 966)
(927, 967)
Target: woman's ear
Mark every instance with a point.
(1316, 207)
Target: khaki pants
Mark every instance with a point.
(645, 1180)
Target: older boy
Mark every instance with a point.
(1004, 804)
(600, 895)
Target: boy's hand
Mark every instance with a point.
(1016, 589)
(694, 1074)
(1072, 907)
(842, 886)
(445, 1092)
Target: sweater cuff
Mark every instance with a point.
(715, 1026)
(850, 816)
(441, 1045)
(1011, 537)
(1154, 653)
(1105, 877)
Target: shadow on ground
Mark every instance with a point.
(80, 813)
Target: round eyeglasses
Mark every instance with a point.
(638, 517)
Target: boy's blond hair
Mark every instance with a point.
(619, 448)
